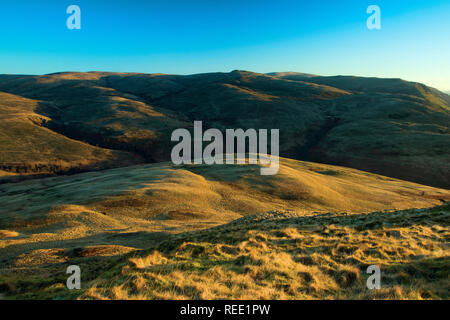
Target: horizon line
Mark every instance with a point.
(307, 74)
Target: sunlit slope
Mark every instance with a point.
(134, 206)
(271, 255)
(205, 191)
(278, 255)
(28, 147)
(84, 107)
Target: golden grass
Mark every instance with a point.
(93, 217)
(279, 257)
(8, 234)
(131, 205)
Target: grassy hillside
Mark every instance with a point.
(90, 218)
(387, 126)
(280, 255)
(28, 147)
(275, 255)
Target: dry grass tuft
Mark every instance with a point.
(8, 234)
(287, 260)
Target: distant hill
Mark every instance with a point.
(387, 126)
(28, 147)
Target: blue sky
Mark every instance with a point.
(184, 37)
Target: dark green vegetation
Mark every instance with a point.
(387, 126)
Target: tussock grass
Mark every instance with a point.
(8, 234)
(276, 256)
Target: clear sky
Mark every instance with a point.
(193, 36)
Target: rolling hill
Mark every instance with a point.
(386, 126)
(128, 205)
(28, 147)
(91, 219)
